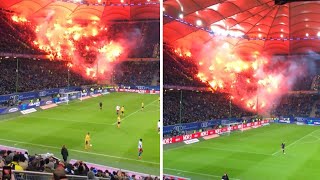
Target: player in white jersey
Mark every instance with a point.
(140, 150)
(118, 109)
(159, 126)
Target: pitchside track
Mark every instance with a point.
(250, 155)
(47, 130)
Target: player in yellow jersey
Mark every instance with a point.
(122, 110)
(119, 121)
(87, 141)
(142, 106)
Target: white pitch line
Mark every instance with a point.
(294, 142)
(134, 112)
(175, 148)
(202, 174)
(8, 119)
(84, 152)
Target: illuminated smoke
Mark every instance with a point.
(249, 80)
(88, 46)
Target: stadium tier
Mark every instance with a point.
(241, 92)
(82, 75)
(22, 74)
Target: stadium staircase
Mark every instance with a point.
(155, 80)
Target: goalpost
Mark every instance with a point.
(229, 127)
(66, 97)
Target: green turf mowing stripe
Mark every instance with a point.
(295, 142)
(86, 152)
(134, 112)
(67, 125)
(248, 155)
(202, 174)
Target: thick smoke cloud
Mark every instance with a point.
(255, 82)
(91, 47)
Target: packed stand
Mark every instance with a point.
(179, 72)
(316, 83)
(49, 164)
(318, 110)
(16, 37)
(19, 37)
(296, 105)
(36, 75)
(197, 106)
(137, 72)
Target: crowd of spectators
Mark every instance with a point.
(296, 105)
(316, 83)
(36, 75)
(16, 37)
(137, 72)
(179, 71)
(19, 37)
(60, 169)
(44, 74)
(197, 106)
(202, 106)
(317, 113)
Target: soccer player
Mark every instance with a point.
(122, 110)
(119, 121)
(118, 109)
(283, 146)
(142, 106)
(140, 150)
(87, 141)
(225, 177)
(159, 126)
(100, 104)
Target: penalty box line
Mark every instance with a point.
(83, 152)
(135, 112)
(201, 174)
(295, 141)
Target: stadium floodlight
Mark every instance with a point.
(199, 22)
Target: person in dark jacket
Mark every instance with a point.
(225, 177)
(64, 153)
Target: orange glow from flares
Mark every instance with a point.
(86, 46)
(18, 19)
(254, 82)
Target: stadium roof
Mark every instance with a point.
(106, 10)
(277, 27)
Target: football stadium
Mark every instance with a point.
(241, 94)
(79, 89)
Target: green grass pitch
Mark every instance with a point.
(250, 155)
(47, 130)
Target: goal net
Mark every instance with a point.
(229, 127)
(69, 96)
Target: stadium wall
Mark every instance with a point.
(88, 92)
(197, 125)
(196, 135)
